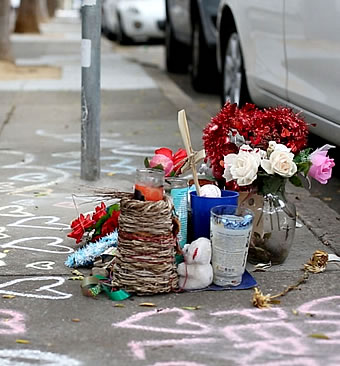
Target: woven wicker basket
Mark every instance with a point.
(145, 257)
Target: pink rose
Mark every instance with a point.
(321, 169)
(163, 160)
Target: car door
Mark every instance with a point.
(180, 19)
(312, 32)
(261, 31)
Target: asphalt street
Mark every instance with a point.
(44, 318)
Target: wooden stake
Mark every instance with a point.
(185, 133)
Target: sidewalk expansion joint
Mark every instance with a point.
(8, 118)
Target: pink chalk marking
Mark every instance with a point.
(328, 302)
(138, 347)
(185, 318)
(264, 330)
(12, 322)
(178, 363)
(267, 315)
(301, 361)
(262, 350)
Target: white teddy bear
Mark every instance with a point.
(196, 271)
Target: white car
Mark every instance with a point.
(133, 20)
(283, 52)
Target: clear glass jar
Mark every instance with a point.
(149, 184)
(273, 227)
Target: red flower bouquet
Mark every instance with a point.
(104, 221)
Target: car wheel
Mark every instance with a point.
(122, 38)
(203, 70)
(176, 53)
(234, 83)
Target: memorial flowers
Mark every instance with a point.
(103, 221)
(252, 148)
(256, 152)
(165, 159)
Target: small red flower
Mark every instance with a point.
(100, 211)
(110, 224)
(179, 159)
(164, 151)
(79, 226)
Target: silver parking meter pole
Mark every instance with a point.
(90, 89)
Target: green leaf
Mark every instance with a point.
(146, 163)
(112, 208)
(159, 167)
(296, 181)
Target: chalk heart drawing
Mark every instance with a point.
(43, 292)
(11, 322)
(40, 222)
(14, 211)
(26, 357)
(44, 265)
(30, 177)
(52, 241)
(184, 319)
(2, 233)
(2, 263)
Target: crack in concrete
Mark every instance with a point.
(7, 119)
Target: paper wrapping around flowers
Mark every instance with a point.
(253, 202)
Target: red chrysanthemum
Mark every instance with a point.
(281, 125)
(256, 126)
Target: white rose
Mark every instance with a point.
(280, 162)
(242, 167)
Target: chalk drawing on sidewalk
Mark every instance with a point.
(46, 222)
(3, 235)
(36, 177)
(2, 263)
(43, 292)
(11, 322)
(138, 347)
(45, 241)
(14, 211)
(25, 202)
(185, 318)
(41, 176)
(271, 337)
(178, 363)
(23, 357)
(43, 265)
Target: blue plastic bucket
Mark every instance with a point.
(200, 210)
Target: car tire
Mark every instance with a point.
(122, 38)
(234, 83)
(176, 53)
(203, 69)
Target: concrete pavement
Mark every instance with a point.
(40, 165)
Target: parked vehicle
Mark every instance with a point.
(283, 52)
(190, 39)
(133, 20)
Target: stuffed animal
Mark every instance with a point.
(196, 271)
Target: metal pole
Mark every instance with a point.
(90, 89)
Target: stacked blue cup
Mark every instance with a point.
(200, 210)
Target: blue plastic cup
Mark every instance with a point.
(200, 210)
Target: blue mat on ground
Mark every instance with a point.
(248, 281)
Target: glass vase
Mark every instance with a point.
(273, 227)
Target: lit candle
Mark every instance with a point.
(149, 185)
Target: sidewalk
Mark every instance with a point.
(40, 168)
